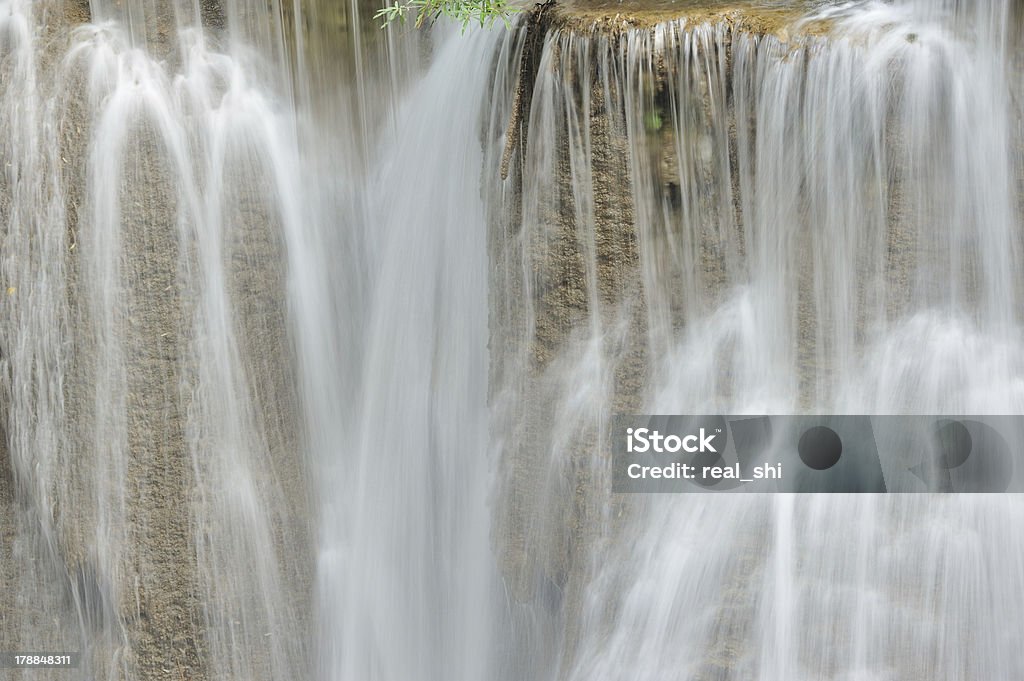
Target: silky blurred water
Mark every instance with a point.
(308, 352)
(825, 225)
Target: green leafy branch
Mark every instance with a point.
(466, 12)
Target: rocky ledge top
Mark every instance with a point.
(781, 18)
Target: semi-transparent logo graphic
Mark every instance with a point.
(817, 453)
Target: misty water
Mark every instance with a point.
(312, 333)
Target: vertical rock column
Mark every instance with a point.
(160, 551)
(565, 263)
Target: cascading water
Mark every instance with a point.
(826, 224)
(309, 352)
(404, 565)
(154, 424)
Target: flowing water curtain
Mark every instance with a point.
(152, 367)
(816, 230)
(190, 265)
(407, 577)
(33, 269)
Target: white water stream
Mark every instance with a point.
(298, 386)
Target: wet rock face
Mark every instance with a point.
(156, 328)
(568, 224)
(212, 13)
(8, 528)
(564, 254)
(107, 524)
(76, 12)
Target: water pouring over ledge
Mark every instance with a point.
(300, 386)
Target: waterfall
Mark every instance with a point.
(154, 421)
(823, 216)
(314, 334)
(404, 563)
